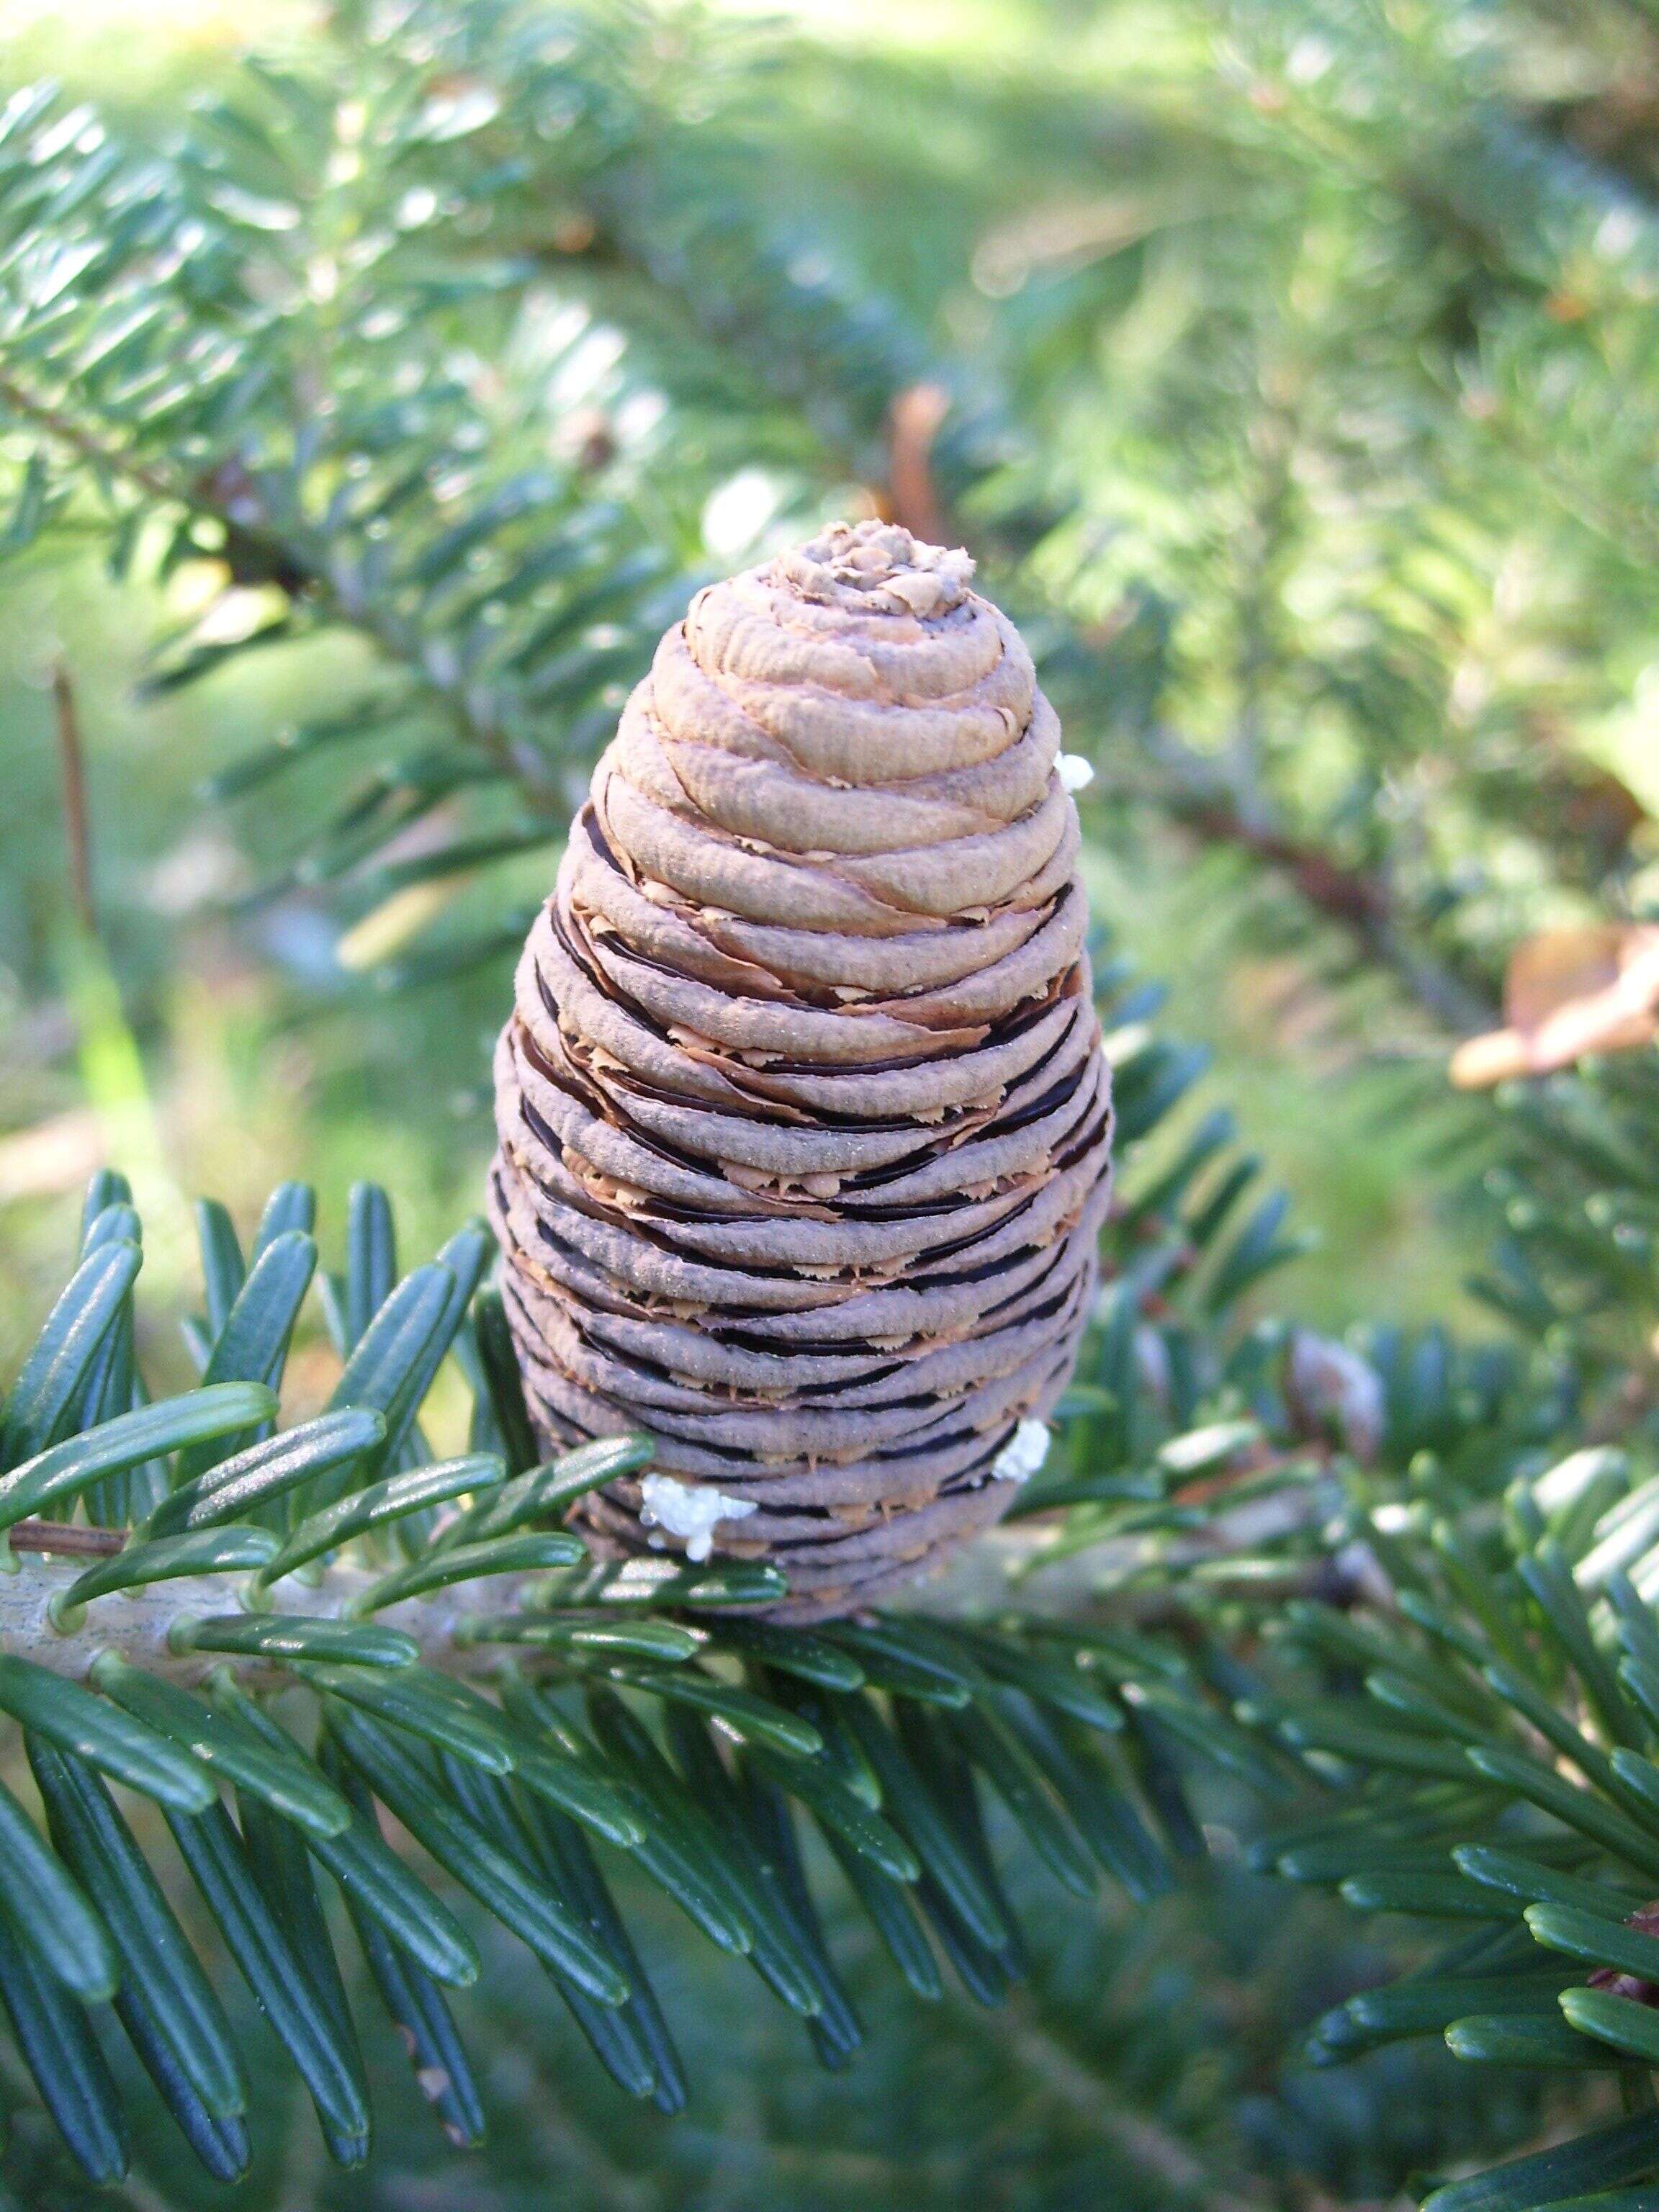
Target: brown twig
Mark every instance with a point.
(1136, 2137)
(66, 1538)
(71, 761)
(256, 548)
(1360, 904)
(1346, 895)
(67, 432)
(914, 419)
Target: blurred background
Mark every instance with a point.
(1291, 372)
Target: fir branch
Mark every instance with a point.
(508, 1702)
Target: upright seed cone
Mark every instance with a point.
(805, 1124)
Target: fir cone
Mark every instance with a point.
(804, 1118)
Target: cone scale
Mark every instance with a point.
(805, 1124)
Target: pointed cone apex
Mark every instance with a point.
(805, 1124)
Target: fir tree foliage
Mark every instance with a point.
(271, 1631)
(1304, 440)
(1309, 443)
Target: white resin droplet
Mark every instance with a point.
(692, 1512)
(1024, 1453)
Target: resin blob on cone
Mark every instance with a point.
(805, 1122)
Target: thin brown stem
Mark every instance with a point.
(66, 1538)
(226, 494)
(1182, 2174)
(914, 420)
(1360, 904)
(109, 459)
(71, 761)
